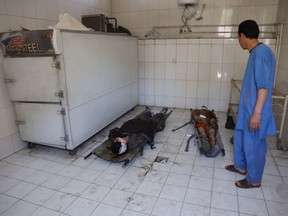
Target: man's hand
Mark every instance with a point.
(255, 119)
(254, 122)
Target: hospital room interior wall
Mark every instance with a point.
(33, 14)
(282, 76)
(189, 73)
(139, 16)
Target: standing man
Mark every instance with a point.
(255, 118)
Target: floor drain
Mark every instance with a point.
(160, 159)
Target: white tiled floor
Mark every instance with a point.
(47, 181)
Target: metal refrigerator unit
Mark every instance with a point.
(68, 85)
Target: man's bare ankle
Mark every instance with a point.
(241, 170)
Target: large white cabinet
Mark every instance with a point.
(63, 99)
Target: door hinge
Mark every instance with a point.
(65, 138)
(8, 80)
(56, 65)
(19, 122)
(59, 94)
(61, 112)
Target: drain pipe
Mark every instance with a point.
(278, 46)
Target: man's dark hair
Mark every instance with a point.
(114, 133)
(115, 148)
(249, 28)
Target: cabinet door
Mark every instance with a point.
(41, 123)
(32, 79)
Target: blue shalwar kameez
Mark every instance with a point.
(250, 147)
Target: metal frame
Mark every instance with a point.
(277, 96)
(269, 31)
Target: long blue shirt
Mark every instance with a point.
(259, 73)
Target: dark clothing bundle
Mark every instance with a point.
(146, 126)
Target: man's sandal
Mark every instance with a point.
(244, 184)
(232, 168)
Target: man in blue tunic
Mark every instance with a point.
(255, 118)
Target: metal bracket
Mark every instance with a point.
(19, 122)
(61, 112)
(59, 94)
(8, 80)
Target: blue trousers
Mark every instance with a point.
(250, 154)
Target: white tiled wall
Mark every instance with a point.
(139, 16)
(33, 14)
(189, 73)
(282, 76)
